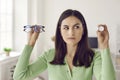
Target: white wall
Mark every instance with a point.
(95, 12)
(20, 19)
(25, 12)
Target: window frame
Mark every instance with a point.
(8, 30)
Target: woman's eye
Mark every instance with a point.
(76, 27)
(66, 28)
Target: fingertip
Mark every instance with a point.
(102, 27)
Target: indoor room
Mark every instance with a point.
(16, 14)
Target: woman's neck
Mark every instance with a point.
(70, 55)
(71, 50)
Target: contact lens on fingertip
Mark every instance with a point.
(101, 28)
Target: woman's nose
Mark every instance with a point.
(71, 32)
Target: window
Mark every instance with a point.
(6, 24)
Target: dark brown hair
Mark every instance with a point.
(84, 55)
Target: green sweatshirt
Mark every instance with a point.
(101, 67)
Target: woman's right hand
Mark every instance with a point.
(32, 37)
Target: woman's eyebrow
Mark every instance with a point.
(65, 25)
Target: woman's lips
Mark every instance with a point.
(72, 38)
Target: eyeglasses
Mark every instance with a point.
(36, 28)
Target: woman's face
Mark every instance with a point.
(71, 30)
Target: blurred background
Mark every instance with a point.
(14, 14)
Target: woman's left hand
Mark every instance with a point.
(103, 37)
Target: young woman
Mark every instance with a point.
(72, 58)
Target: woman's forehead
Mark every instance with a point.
(72, 20)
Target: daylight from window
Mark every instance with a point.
(6, 24)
